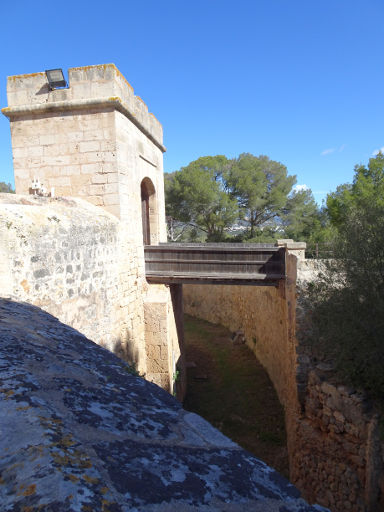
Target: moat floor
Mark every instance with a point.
(231, 389)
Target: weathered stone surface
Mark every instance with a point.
(78, 432)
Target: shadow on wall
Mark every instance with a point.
(127, 352)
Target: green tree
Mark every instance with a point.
(260, 186)
(303, 220)
(6, 187)
(367, 186)
(337, 203)
(196, 196)
(348, 299)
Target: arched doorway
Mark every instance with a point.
(148, 211)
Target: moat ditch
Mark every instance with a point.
(228, 386)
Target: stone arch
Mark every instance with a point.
(149, 212)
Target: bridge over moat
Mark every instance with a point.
(221, 263)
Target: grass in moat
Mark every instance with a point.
(230, 389)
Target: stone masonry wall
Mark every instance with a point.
(74, 153)
(76, 262)
(62, 255)
(97, 82)
(95, 140)
(137, 158)
(338, 451)
(267, 316)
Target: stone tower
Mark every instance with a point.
(96, 140)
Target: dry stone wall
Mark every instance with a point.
(338, 458)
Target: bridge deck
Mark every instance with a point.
(252, 264)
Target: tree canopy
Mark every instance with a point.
(196, 195)
(303, 219)
(367, 187)
(247, 198)
(260, 187)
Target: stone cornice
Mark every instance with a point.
(94, 103)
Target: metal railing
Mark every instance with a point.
(320, 250)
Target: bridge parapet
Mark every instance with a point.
(219, 263)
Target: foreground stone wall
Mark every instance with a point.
(80, 432)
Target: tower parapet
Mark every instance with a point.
(94, 139)
(89, 87)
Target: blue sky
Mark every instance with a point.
(301, 81)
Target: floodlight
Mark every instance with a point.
(55, 78)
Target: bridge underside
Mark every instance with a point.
(241, 264)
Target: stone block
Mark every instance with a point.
(111, 199)
(58, 160)
(20, 152)
(61, 181)
(88, 146)
(90, 123)
(76, 136)
(113, 178)
(96, 189)
(157, 366)
(153, 351)
(94, 135)
(87, 168)
(48, 139)
(69, 170)
(111, 188)
(99, 178)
